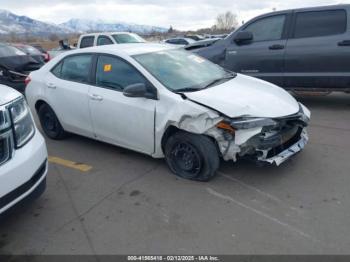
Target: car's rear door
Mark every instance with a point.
(263, 57)
(318, 49)
(67, 88)
(117, 119)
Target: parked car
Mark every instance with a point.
(202, 43)
(31, 51)
(182, 41)
(43, 51)
(297, 49)
(15, 65)
(167, 102)
(195, 37)
(108, 38)
(23, 155)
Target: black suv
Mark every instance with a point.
(296, 49)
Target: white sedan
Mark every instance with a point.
(170, 103)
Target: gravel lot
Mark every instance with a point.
(129, 203)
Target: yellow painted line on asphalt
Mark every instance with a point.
(67, 163)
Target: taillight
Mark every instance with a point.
(47, 57)
(27, 80)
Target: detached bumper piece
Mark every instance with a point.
(277, 144)
(288, 152)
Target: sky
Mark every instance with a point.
(181, 14)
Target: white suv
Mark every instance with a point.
(23, 154)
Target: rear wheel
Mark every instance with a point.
(50, 123)
(191, 156)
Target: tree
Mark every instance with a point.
(226, 21)
(171, 30)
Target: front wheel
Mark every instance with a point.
(50, 123)
(191, 156)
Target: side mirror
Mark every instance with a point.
(138, 90)
(243, 37)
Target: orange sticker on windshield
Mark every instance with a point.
(107, 68)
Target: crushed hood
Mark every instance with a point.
(247, 96)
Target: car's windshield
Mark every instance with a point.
(128, 38)
(183, 71)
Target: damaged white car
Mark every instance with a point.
(169, 103)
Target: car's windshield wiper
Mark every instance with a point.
(218, 80)
(229, 76)
(188, 89)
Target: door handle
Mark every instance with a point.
(344, 43)
(51, 85)
(276, 47)
(96, 97)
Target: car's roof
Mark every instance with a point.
(107, 33)
(127, 49)
(313, 8)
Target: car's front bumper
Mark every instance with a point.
(287, 152)
(24, 173)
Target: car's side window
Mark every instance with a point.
(267, 29)
(87, 41)
(104, 40)
(320, 23)
(115, 73)
(77, 68)
(57, 70)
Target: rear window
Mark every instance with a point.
(320, 23)
(29, 50)
(6, 51)
(87, 41)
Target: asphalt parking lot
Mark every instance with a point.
(115, 201)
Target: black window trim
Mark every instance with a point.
(285, 30)
(88, 36)
(61, 62)
(104, 36)
(153, 89)
(294, 21)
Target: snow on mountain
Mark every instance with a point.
(86, 25)
(11, 23)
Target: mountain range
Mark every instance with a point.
(11, 23)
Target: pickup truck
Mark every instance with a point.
(97, 39)
(301, 49)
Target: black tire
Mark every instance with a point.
(50, 123)
(192, 156)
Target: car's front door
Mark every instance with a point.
(318, 50)
(67, 88)
(117, 119)
(263, 56)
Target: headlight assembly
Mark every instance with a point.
(247, 123)
(23, 125)
(5, 137)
